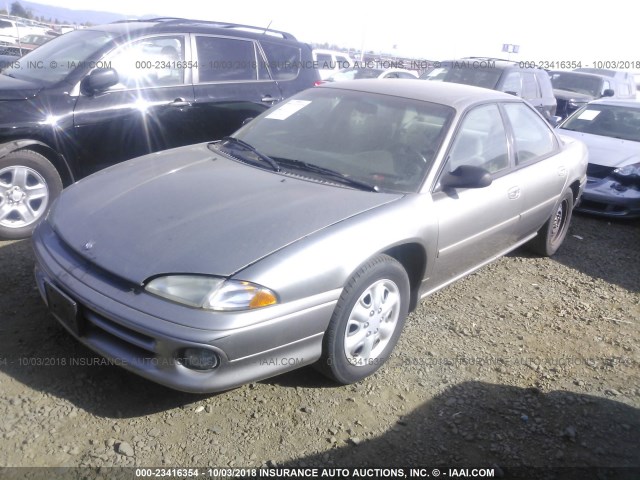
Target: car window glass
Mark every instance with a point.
(382, 140)
(481, 141)
(343, 62)
(284, 60)
(533, 136)
(150, 62)
(513, 83)
(607, 120)
(530, 86)
(226, 59)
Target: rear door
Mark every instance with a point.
(148, 110)
(231, 84)
(541, 169)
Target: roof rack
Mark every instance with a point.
(231, 26)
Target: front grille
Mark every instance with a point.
(121, 332)
(598, 171)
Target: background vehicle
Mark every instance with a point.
(623, 83)
(308, 234)
(94, 97)
(359, 73)
(574, 89)
(330, 61)
(532, 84)
(26, 44)
(611, 130)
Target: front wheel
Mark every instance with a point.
(367, 321)
(553, 232)
(28, 185)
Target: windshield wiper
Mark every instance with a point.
(327, 172)
(246, 146)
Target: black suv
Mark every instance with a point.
(532, 84)
(98, 96)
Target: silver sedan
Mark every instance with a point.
(307, 236)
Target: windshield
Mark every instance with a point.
(465, 73)
(607, 120)
(54, 60)
(386, 142)
(572, 82)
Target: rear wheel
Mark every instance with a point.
(28, 185)
(553, 232)
(367, 321)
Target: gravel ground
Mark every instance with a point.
(529, 362)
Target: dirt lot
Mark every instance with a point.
(530, 362)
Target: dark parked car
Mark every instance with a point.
(98, 96)
(532, 84)
(574, 89)
(611, 130)
(308, 235)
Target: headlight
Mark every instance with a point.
(629, 173)
(212, 293)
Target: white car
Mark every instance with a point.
(358, 73)
(330, 61)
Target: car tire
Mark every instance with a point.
(367, 321)
(29, 183)
(553, 232)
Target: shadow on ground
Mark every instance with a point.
(521, 433)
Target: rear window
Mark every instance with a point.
(226, 59)
(283, 60)
(5, 24)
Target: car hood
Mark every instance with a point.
(607, 151)
(568, 95)
(189, 210)
(16, 89)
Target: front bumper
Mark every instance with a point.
(607, 197)
(146, 334)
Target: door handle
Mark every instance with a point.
(180, 102)
(269, 99)
(513, 193)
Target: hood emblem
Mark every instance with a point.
(89, 245)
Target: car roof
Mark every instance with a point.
(617, 102)
(454, 94)
(173, 25)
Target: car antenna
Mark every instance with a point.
(265, 30)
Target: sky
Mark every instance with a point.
(545, 30)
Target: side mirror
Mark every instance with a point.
(466, 176)
(554, 120)
(98, 81)
(608, 93)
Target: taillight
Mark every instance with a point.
(318, 83)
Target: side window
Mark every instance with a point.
(150, 62)
(530, 86)
(324, 61)
(284, 60)
(481, 141)
(513, 84)
(343, 62)
(226, 59)
(533, 136)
